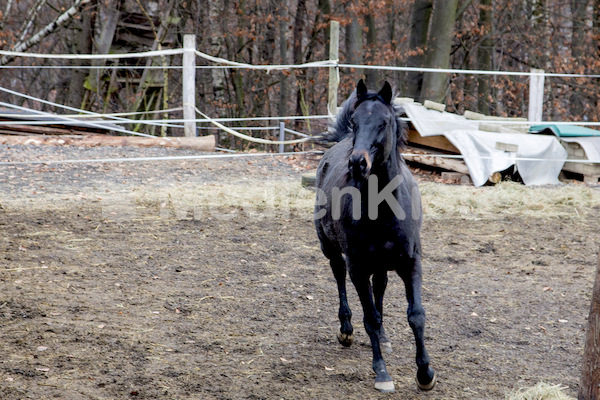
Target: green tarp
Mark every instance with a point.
(565, 130)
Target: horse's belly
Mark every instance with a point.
(386, 248)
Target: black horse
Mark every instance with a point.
(368, 219)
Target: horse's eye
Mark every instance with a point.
(383, 125)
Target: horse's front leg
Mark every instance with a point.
(412, 277)
(345, 335)
(380, 281)
(372, 320)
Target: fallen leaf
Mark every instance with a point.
(42, 348)
(329, 369)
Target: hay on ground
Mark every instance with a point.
(541, 391)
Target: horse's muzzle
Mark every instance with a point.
(359, 164)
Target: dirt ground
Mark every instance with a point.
(116, 285)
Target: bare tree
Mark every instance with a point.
(421, 16)
(83, 45)
(484, 56)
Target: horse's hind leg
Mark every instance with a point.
(412, 277)
(379, 285)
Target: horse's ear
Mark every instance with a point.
(361, 88)
(386, 93)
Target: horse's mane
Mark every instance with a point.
(341, 128)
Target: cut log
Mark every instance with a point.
(201, 143)
(589, 385)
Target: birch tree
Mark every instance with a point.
(48, 29)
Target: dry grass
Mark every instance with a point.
(507, 198)
(541, 391)
(439, 200)
(286, 196)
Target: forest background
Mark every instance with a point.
(558, 36)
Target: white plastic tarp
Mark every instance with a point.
(591, 146)
(539, 158)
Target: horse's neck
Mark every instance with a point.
(390, 168)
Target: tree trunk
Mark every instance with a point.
(83, 44)
(354, 41)
(439, 46)
(215, 15)
(325, 18)
(578, 50)
(299, 27)
(484, 57)
(283, 91)
(237, 75)
(371, 75)
(589, 386)
(418, 39)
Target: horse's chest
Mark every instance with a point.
(387, 241)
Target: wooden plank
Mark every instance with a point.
(422, 156)
(435, 142)
(44, 130)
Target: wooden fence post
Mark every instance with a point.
(189, 85)
(334, 55)
(589, 385)
(536, 95)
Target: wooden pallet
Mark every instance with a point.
(589, 171)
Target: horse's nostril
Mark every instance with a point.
(363, 163)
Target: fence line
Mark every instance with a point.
(169, 158)
(238, 155)
(189, 123)
(273, 67)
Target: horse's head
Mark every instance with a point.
(375, 130)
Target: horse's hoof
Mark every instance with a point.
(386, 347)
(385, 387)
(345, 339)
(427, 386)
